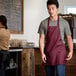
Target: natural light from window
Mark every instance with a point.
(70, 9)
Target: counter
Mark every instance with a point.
(31, 64)
(24, 58)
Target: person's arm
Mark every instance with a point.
(70, 46)
(41, 45)
(69, 40)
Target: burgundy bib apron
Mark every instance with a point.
(54, 47)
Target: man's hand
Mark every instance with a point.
(43, 58)
(69, 56)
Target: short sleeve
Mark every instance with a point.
(67, 29)
(41, 28)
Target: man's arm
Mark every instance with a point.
(41, 45)
(70, 46)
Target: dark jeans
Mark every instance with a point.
(58, 70)
(4, 61)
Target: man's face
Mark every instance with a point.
(52, 10)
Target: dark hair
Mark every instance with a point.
(55, 2)
(3, 20)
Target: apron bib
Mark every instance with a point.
(54, 47)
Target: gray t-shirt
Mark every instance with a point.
(63, 25)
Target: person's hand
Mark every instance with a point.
(69, 56)
(43, 58)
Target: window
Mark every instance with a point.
(70, 9)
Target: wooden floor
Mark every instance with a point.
(40, 70)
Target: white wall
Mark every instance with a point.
(34, 12)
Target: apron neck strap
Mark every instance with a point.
(58, 22)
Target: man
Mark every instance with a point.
(51, 41)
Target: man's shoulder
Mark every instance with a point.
(63, 20)
(44, 20)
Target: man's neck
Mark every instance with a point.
(54, 18)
